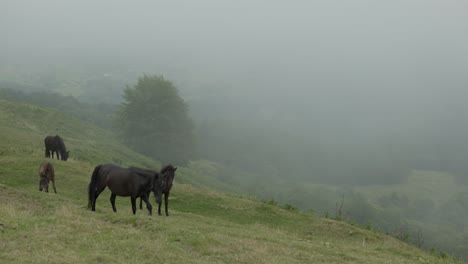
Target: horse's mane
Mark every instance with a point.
(141, 170)
(167, 168)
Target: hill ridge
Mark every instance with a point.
(205, 226)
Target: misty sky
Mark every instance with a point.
(352, 53)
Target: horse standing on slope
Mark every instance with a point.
(147, 171)
(123, 182)
(46, 174)
(55, 144)
(167, 173)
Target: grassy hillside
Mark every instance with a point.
(429, 209)
(433, 203)
(204, 226)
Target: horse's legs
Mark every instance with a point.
(159, 208)
(148, 205)
(147, 197)
(133, 200)
(112, 199)
(53, 185)
(166, 202)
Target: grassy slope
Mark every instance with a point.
(205, 226)
(438, 187)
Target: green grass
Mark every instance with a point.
(204, 226)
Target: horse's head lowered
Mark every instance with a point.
(65, 155)
(44, 184)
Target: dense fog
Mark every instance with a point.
(347, 93)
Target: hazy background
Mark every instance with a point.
(284, 95)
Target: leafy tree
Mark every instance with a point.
(154, 120)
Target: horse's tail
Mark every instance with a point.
(92, 185)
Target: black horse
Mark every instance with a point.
(145, 171)
(168, 174)
(55, 144)
(123, 182)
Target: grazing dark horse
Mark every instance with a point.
(168, 174)
(141, 170)
(55, 144)
(123, 182)
(46, 174)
